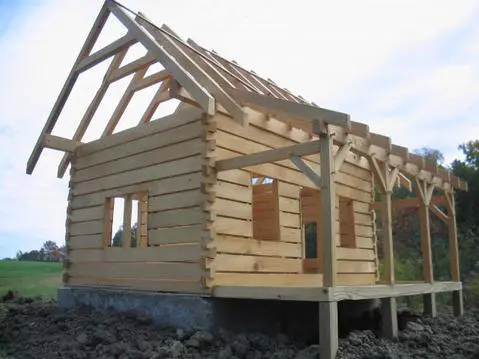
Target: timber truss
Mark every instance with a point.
(202, 78)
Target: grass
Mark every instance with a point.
(30, 279)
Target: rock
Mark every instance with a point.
(177, 349)
(414, 326)
(82, 338)
(311, 352)
(225, 353)
(180, 333)
(240, 345)
(203, 337)
(143, 345)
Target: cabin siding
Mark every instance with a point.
(163, 159)
(253, 247)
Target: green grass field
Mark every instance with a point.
(30, 278)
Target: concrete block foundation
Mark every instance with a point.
(298, 320)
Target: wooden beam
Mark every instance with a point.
(328, 199)
(115, 47)
(328, 330)
(231, 106)
(124, 101)
(132, 67)
(152, 80)
(302, 111)
(405, 182)
(376, 166)
(412, 202)
(206, 101)
(90, 112)
(67, 87)
(308, 171)
(440, 214)
(160, 96)
(59, 143)
(453, 243)
(278, 154)
(425, 233)
(127, 221)
(341, 156)
(392, 178)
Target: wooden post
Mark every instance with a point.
(457, 299)
(328, 311)
(386, 181)
(424, 192)
(127, 221)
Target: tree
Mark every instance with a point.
(431, 154)
(117, 240)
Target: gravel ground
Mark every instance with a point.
(35, 329)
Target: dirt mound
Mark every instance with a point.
(36, 329)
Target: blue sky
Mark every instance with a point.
(408, 69)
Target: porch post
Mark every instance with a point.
(328, 311)
(457, 298)
(424, 192)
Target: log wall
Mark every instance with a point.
(164, 159)
(242, 258)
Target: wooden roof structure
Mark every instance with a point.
(192, 72)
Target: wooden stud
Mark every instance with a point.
(127, 222)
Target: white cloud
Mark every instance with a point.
(330, 52)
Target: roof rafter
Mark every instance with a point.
(67, 87)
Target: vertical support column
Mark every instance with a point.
(457, 298)
(424, 192)
(328, 311)
(386, 180)
(127, 221)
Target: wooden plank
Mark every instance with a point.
(302, 111)
(87, 214)
(82, 228)
(292, 235)
(109, 50)
(357, 254)
(206, 101)
(164, 124)
(233, 192)
(239, 245)
(146, 174)
(172, 235)
(247, 263)
(177, 200)
(288, 205)
(266, 280)
(234, 227)
(67, 87)
(88, 241)
(176, 217)
(234, 209)
(184, 253)
(453, 242)
(268, 156)
(156, 187)
(398, 290)
(101, 167)
(355, 279)
(147, 285)
(142, 271)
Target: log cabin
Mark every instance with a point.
(246, 190)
